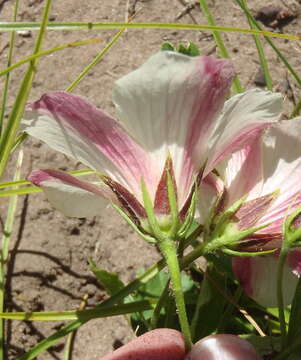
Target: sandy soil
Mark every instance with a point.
(48, 264)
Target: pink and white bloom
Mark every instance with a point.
(172, 107)
(268, 173)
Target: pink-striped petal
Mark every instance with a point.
(242, 172)
(169, 103)
(243, 119)
(282, 171)
(258, 277)
(70, 195)
(69, 124)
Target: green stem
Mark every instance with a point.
(270, 42)
(33, 26)
(169, 251)
(95, 61)
(261, 54)
(9, 135)
(280, 268)
(9, 61)
(237, 87)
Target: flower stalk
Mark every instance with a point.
(169, 251)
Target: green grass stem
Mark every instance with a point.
(9, 61)
(260, 50)
(8, 228)
(12, 26)
(12, 127)
(237, 87)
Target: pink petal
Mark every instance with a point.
(257, 276)
(159, 344)
(223, 347)
(169, 103)
(69, 124)
(294, 261)
(70, 195)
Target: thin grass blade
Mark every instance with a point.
(95, 61)
(11, 26)
(260, 50)
(271, 43)
(237, 87)
(48, 52)
(9, 61)
(8, 228)
(10, 132)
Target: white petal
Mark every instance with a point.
(282, 168)
(244, 117)
(70, 195)
(258, 276)
(242, 172)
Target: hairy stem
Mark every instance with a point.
(168, 249)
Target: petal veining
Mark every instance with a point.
(244, 117)
(69, 124)
(169, 103)
(282, 170)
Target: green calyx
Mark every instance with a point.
(292, 229)
(162, 226)
(227, 236)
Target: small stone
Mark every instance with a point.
(24, 33)
(75, 231)
(259, 79)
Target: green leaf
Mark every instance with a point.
(210, 305)
(191, 49)
(149, 209)
(167, 46)
(109, 280)
(134, 226)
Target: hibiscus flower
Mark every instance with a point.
(173, 119)
(267, 173)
